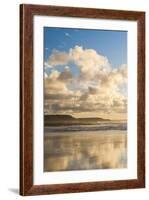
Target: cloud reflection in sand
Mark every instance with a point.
(85, 150)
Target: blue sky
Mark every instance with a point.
(112, 44)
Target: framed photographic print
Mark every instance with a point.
(82, 99)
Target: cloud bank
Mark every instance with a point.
(98, 89)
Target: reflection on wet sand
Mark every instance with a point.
(85, 150)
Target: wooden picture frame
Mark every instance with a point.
(27, 12)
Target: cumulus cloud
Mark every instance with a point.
(46, 65)
(88, 61)
(97, 88)
(58, 58)
(65, 75)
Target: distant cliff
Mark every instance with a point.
(59, 120)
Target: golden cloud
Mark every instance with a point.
(98, 87)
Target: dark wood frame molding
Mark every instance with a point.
(27, 13)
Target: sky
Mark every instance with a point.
(85, 72)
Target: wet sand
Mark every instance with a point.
(84, 150)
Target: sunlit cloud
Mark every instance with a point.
(98, 87)
(46, 65)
